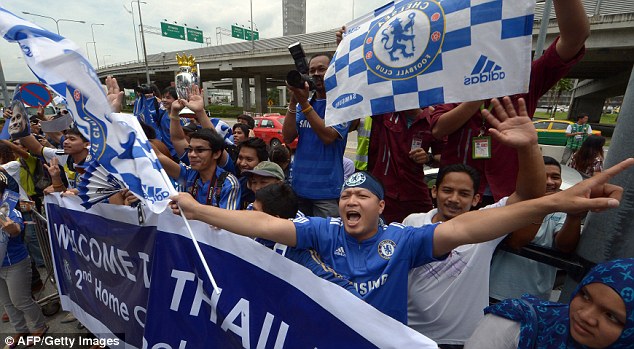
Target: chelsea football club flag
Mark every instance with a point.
(117, 141)
(412, 54)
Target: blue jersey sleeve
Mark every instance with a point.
(342, 129)
(164, 130)
(309, 230)
(16, 217)
(421, 242)
(229, 166)
(230, 194)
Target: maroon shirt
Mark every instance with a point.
(389, 161)
(500, 172)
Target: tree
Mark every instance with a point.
(561, 86)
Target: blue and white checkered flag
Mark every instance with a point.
(413, 54)
(117, 141)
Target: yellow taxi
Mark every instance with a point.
(553, 132)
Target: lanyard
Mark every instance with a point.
(210, 191)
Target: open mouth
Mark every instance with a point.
(353, 216)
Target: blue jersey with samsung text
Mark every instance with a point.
(378, 267)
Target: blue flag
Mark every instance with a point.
(411, 54)
(117, 141)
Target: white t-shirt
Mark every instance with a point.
(495, 332)
(446, 298)
(13, 169)
(513, 275)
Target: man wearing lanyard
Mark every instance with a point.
(203, 178)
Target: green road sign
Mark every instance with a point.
(194, 35)
(173, 31)
(237, 32)
(247, 35)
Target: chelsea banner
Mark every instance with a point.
(145, 285)
(412, 54)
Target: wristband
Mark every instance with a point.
(292, 111)
(307, 110)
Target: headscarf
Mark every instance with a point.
(547, 324)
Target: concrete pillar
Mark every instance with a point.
(282, 101)
(593, 106)
(246, 94)
(609, 235)
(260, 94)
(236, 93)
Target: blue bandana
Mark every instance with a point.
(363, 180)
(546, 324)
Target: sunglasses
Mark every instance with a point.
(197, 150)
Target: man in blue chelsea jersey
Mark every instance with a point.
(377, 258)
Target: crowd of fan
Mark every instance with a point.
(229, 168)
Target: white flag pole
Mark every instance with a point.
(200, 253)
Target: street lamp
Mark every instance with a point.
(87, 54)
(56, 20)
(136, 44)
(92, 30)
(252, 42)
(147, 69)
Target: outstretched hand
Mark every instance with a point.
(195, 102)
(593, 194)
(186, 202)
(114, 95)
(511, 127)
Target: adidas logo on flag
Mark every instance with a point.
(485, 70)
(340, 252)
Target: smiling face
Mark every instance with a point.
(200, 159)
(167, 101)
(359, 209)
(455, 196)
(18, 120)
(247, 158)
(597, 316)
(553, 179)
(317, 69)
(73, 144)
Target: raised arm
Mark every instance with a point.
(289, 128)
(114, 95)
(574, 28)
(171, 167)
(453, 120)
(484, 225)
(238, 222)
(325, 133)
(177, 135)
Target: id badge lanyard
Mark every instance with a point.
(481, 145)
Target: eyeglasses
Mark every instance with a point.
(197, 150)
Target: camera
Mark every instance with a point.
(144, 89)
(296, 78)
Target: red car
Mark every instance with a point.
(269, 128)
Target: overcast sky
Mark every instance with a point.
(115, 39)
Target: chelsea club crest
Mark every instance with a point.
(386, 248)
(405, 42)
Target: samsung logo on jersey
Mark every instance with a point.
(484, 70)
(347, 100)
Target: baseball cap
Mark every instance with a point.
(267, 169)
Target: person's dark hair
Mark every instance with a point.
(590, 149)
(325, 54)
(155, 91)
(257, 144)
(245, 129)
(75, 131)
(472, 172)
(278, 199)
(552, 161)
(149, 131)
(171, 90)
(216, 143)
(6, 153)
(248, 119)
(581, 116)
(280, 154)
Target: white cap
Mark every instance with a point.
(186, 111)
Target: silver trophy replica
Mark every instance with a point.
(187, 75)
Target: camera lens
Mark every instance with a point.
(294, 78)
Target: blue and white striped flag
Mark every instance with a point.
(412, 54)
(117, 141)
